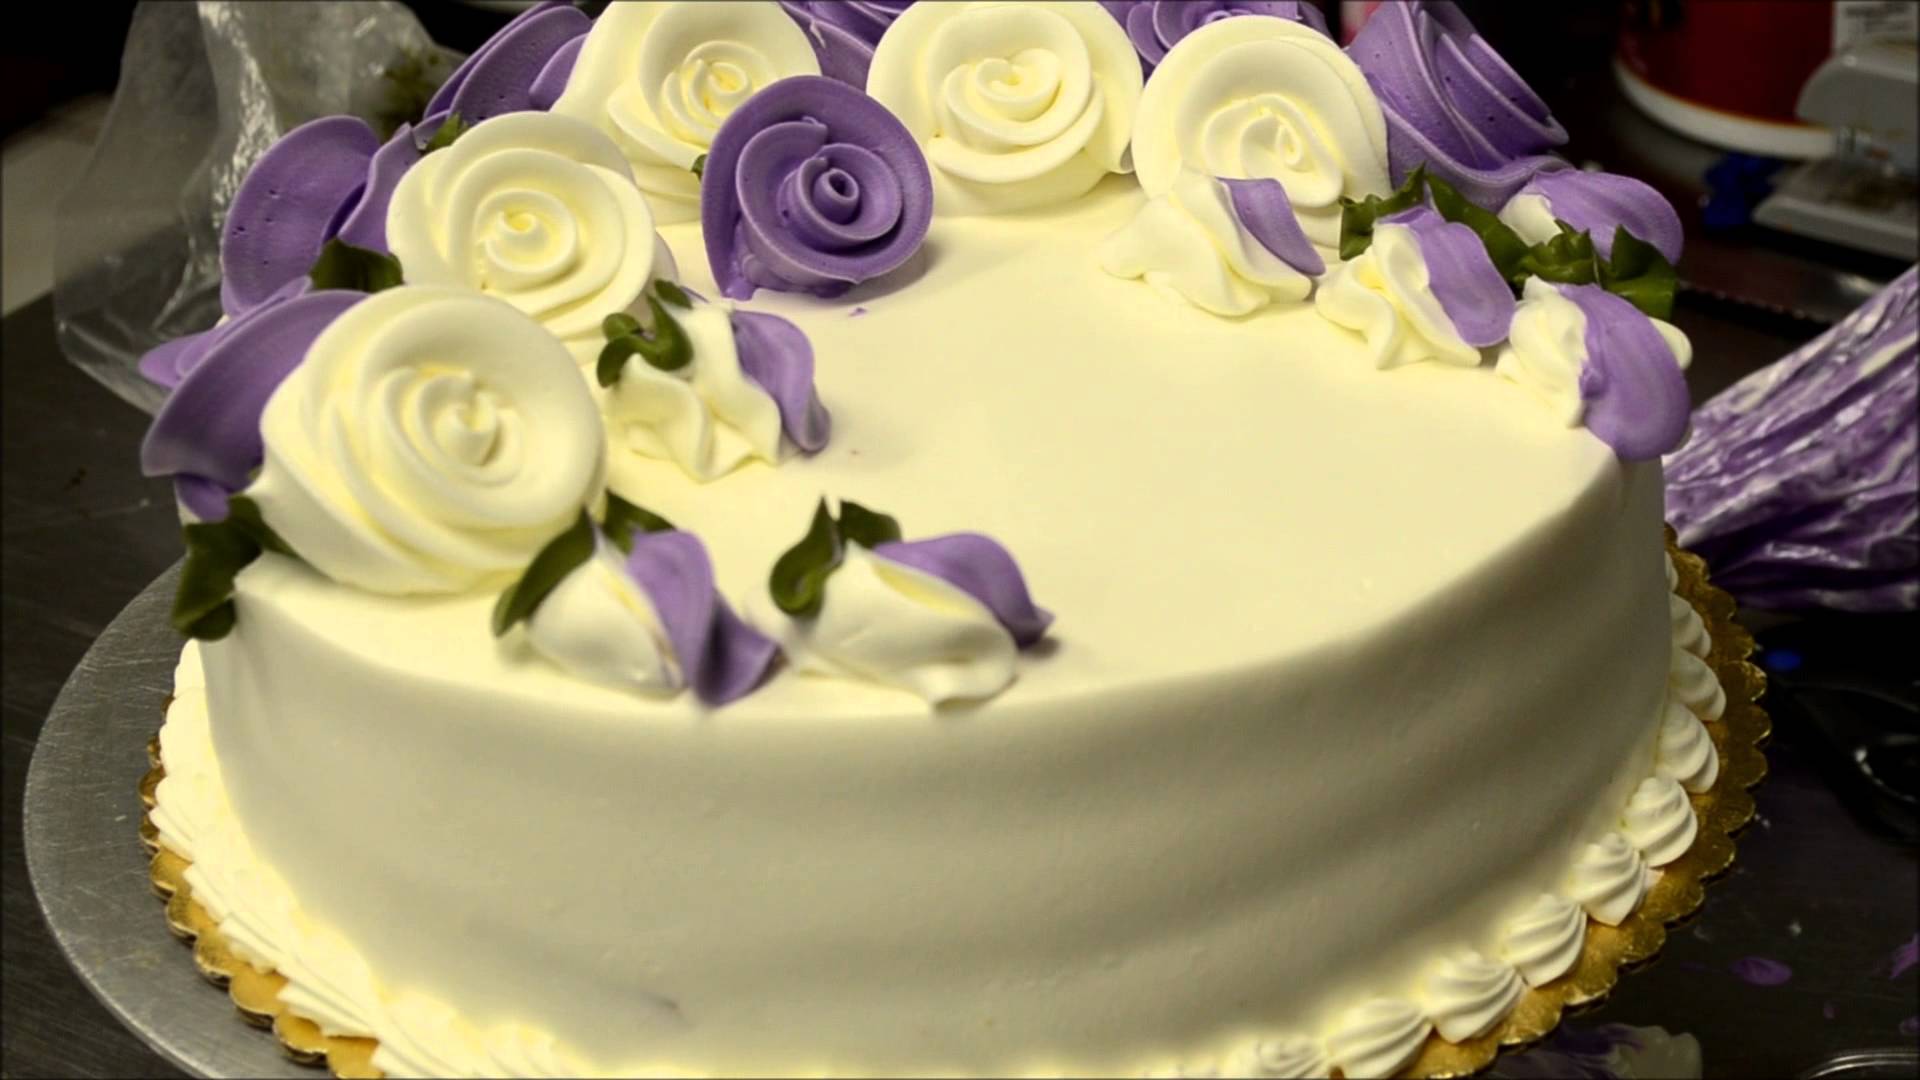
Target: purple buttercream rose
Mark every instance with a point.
(207, 433)
(723, 658)
(1156, 26)
(1263, 209)
(1462, 276)
(978, 566)
(1801, 483)
(1597, 203)
(1633, 388)
(523, 66)
(1452, 104)
(844, 33)
(812, 186)
(326, 178)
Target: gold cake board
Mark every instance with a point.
(1608, 950)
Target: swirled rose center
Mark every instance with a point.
(715, 78)
(527, 238)
(1270, 136)
(455, 425)
(841, 197)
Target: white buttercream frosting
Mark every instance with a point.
(1609, 878)
(1685, 752)
(1189, 244)
(1265, 98)
(1377, 1038)
(1659, 820)
(433, 440)
(1385, 294)
(1529, 214)
(599, 624)
(1295, 1057)
(1695, 685)
(1543, 941)
(1017, 105)
(1466, 994)
(898, 626)
(707, 417)
(1689, 632)
(537, 209)
(660, 78)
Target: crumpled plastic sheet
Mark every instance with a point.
(1800, 485)
(204, 89)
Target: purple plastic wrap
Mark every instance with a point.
(1799, 484)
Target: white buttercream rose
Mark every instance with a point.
(536, 209)
(1016, 104)
(660, 79)
(433, 440)
(1262, 98)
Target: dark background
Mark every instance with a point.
(1824, 882)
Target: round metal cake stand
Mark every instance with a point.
(82, 823)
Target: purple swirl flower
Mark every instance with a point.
(844, 32)
(811, 186)
(524, 66)
(1452, 103)
(1156, 26)
(723, 658)
(1596, 203)
(207, 433)
(980, 567)
(1635, 393)
(327, 178)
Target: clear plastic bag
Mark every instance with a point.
(204, 89)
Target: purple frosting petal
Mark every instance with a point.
(1800, 484)
(442, 100)
(1634, 390)
(723, 657)
(777, 355)
(170, 362)
(978, 566)
(202, 497)
(1598, 202)
(552, 80)
(844, 33)
(1267, 214)
(365, 224)
(1156, 26)
(811, 186)
(1451, 103)
(500, 75)
(1463, 278)
(209, 427)
(288, 204)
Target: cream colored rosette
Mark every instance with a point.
(660, 79)
(1262, 98)
(538, 210)
(432, 441)
(1016, 104)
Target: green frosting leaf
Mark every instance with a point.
(1357, 217)
(799, 579)
(859, 525)
(1640, 274)
(559, 558)
(672, 294)
(699, 166)
(1567, 258)
(216, 553)
(624, 519)
(667, 349)
(343, 266)
(444, 136)
(1503, 245)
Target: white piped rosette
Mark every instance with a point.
(432, 441)
(1226, 250)
(660, 78)
(1425, 289)
(708, 418)
(1265, 98)
(1017, 105)
(537, 209)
